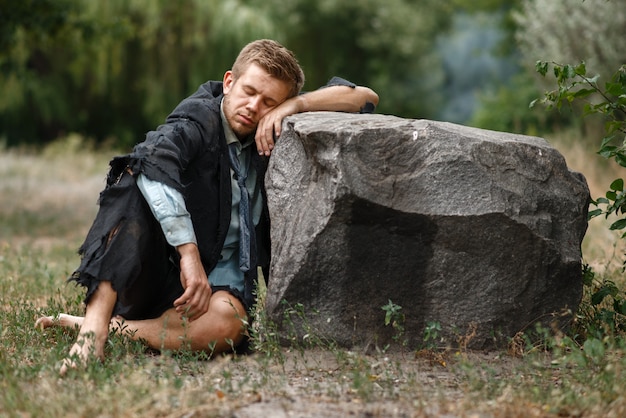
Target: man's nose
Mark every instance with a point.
(253, 104)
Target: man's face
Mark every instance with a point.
(248, 98)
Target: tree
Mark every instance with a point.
(567, 31)
(562, 31)
(114, 69)
(29, 33)
(109, 68)
(388, 46)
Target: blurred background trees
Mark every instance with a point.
(113, 69)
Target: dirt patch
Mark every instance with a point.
(316, 383)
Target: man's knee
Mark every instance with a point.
(229, 312)
(227, 318)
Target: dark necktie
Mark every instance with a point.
(246, 227)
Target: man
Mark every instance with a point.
(183, 224)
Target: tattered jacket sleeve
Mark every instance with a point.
(190, 129)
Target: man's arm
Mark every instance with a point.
(336, 98)
(194, 302)
(168, 207)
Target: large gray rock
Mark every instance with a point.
(474, 230)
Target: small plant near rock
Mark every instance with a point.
(396, 319)
(603, 309)
(431, 334)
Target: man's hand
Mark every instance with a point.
(270, 126)
(194, 302)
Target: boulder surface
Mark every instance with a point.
(468, 235)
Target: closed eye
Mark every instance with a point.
(267, 101)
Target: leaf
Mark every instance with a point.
(614, 89)
(541, 67)
(606, 140)
(617, 185)
(582, 93)
(581, 69)
(569, 71)
(613, 126)
(599, 296)
(594, 79)
(620, 159)
(592, 214)
(606, 150)
(619, 306)
(619, 224)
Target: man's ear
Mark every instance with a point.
(229, 79)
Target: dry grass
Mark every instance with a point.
(49, 198)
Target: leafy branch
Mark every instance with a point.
(606, 309)
(608, 101)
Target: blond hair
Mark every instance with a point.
(278, 61)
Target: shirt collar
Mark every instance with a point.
(230, 135)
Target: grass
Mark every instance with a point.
(48, 203)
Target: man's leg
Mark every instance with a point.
(94, 327)
(220, 329)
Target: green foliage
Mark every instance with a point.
(603, 308)
(43, 16)
(605, 311)
(385, 45)
(569, 31)
(609, 101)
(392, 313)
(396, 319)
(481, 5)
(431, 334)
(113, 69)
(507, 109)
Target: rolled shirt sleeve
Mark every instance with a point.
(168, 207)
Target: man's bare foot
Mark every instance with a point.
(94, 327)
(86, 348)
(89, 343)
(46, 322)
(61, 320)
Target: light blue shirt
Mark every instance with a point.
(168, 207)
